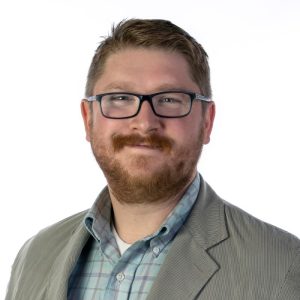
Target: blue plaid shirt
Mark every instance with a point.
(101, 273)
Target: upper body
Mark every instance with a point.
(219, 253)
(147, 114)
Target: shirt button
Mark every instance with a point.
(120, 276)
(156, 250)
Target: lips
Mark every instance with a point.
(145, 146)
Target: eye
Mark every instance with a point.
(170, 100)
(119, 101)
(121, 98)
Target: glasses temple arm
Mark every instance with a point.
(202, 98)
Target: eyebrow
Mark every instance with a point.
(119, 86)
(129, 87)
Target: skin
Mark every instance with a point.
(147, 71)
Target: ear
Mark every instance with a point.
(209, 121)
(86, 113)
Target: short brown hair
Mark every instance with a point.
(161, 34)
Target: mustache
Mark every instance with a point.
(151, 140)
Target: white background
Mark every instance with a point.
(47, 170)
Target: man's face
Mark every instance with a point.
(147, 158)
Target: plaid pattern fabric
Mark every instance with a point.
(101, 273)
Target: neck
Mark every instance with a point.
(136, 221)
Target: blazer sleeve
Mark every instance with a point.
(291, 286)
(16, 272)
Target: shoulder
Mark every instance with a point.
(244, 235)
(63, 227)
(251, 250)
(47, 243)
(31, 267)
(54, 236)
(257, 231)
(241, 225)
(262, 248)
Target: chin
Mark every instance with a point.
(143, 163)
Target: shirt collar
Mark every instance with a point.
(98, 219)
(177, 216)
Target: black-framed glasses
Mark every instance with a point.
(168, 104)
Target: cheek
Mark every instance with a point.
(104, 129)
(187, 132)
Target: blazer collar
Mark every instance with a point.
(207, 222)
(188, 266)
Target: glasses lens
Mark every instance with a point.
(119, 105)
(174, 104)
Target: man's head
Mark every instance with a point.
(148, 157)
(152, 34)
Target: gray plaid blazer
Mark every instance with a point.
(220, 253)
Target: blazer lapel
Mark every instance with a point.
(180, 277)
(64, 264)
(188, 266)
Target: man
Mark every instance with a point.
(158, 231)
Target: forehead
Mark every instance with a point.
(145, 70)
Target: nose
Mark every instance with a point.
(146, 121)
